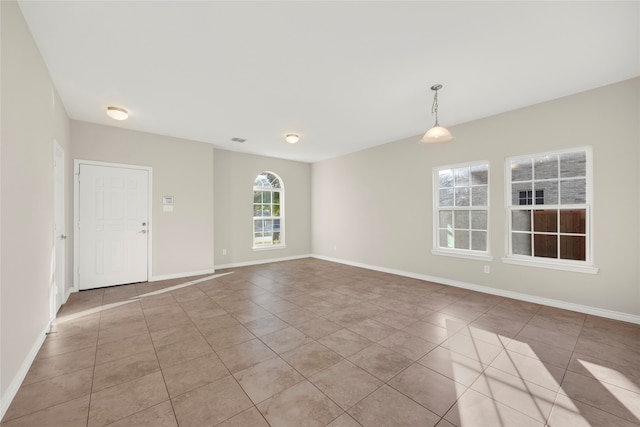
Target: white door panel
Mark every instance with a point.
(113, 225)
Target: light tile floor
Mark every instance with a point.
(313, 343)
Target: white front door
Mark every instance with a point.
(113, 225)
(59, 230)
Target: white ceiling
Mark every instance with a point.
(344, 75)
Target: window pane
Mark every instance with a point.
(479, 220)
(521, 170)
(276, 225)
(573, 191)
(546, 167)
(446, 219)
(257, 239)
(275, 210)
(262, 180)
(446, 178)
(479, 174)
(479, 240)
(479, 196)
(517, 189)
(545, 221)
(549, 193)
(462, 196)
(274, 181)
(573, 221)
(266, 180)
(276, 197)
(257, 196)
(573, 247)
(573, 164)
(521, 220)
(262, 210)
(461, 176)
(276, 237)
(461, 239)
(545, 245)
(446, 197)
(461, 219)
(446, 239)
(521, 243)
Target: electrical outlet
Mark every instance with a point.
(335, 247)
(487, 269)
(224, 252)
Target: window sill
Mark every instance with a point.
(588, 269)
(269, 248)
(465, 255)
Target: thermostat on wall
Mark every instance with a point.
(167, 204)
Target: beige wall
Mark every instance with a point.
(234, 176)
(376, 205)
(32, 117)
(182, 240)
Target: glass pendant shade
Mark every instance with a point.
(437, 134)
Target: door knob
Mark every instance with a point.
(63, 237)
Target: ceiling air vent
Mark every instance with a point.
(235, 139)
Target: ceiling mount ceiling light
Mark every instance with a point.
(117, 113)
(437, 133)
(292, 138)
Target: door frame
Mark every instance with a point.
(76, 213)
(59, 292)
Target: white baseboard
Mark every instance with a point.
(14, 386)
(595, 311)
(181, 275)
(264, 261)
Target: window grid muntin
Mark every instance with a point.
(563, 175)
(462, 177)
(558, 233)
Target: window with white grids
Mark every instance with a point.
(268, 211)
(549, 209)
(461, 210)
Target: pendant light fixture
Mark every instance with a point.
(437, 133)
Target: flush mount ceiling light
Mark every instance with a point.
(292, 138)
(117, 113)
(437, 133)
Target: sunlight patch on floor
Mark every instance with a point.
(106, 307)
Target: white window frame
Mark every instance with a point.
(456, 252)
(585, 266)
(280, 190)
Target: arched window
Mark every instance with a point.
(268, 211)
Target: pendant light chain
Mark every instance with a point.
(434, 107)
